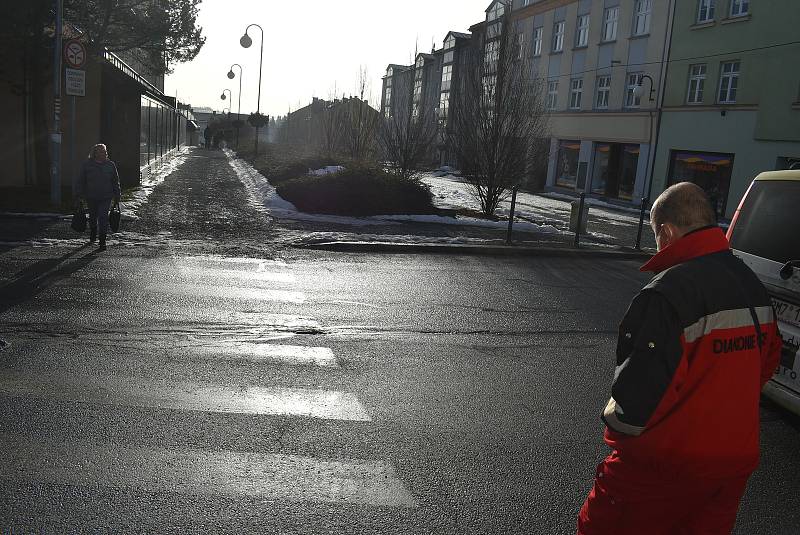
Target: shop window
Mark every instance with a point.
(614, 171)
(567, 163)
(709, 170)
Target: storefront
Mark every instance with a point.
(614, 170)
(567, 163)
(709, 170)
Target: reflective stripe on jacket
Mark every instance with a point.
(690, 364)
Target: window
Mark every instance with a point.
(603, 90)
(448, 57)
(387, 106)
(552, 94)
(496, 11)
(444, 105)
(449, 43)
(705, 11)
(728, 82)
(576, 93)
(771, 208)
(558, 36)
(537, 41)
(520, 45)
(641, 18)
(494, 30)
(739, 7)
(697, 82)
(610, 18)
(582, 35)
(709, 170)
(491, 55)
(631, 99)
(447, 75)
(567, 163)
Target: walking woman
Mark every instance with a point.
(98, 184)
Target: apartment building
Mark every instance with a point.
(593, 56)
(732, 96)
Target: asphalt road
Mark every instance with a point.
(317, 393)
(201, 376)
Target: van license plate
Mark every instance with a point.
(787, 312)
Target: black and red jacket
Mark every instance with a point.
(691, 365)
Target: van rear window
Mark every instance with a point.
(769, 223)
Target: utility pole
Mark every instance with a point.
(55, 136)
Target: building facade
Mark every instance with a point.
(646, 93)
(592, 56)
(120, 107)
(732, 97)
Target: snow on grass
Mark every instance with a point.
(134, 200)
(264, 198)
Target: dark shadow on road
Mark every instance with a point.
(33, 279)
(23, 229)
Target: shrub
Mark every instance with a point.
(358, 191)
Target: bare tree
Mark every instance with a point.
(497, 118)
(330, 131)
(360, 122)
(408, 133)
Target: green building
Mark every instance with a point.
(731, 103)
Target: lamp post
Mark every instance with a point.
(246, 42)
(231, 76)
(223, 97)
(637, 93)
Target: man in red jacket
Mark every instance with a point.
(695, 348)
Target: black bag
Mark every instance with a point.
(113, 218)
(79, 220)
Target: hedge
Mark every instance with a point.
(358, 191)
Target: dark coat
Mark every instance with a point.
(98, 180)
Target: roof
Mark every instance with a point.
(457, 35)
(793, 175)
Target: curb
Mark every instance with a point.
(488, 250)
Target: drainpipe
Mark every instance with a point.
(659, 106)
(55, 136)
(660, 103)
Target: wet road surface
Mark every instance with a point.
(309, 393)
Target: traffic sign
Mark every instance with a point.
(75, 82)
(74, 54)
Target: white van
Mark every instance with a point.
(765, 233)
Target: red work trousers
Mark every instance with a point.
(627, 506)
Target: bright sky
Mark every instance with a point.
(311, 47)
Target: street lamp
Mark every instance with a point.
(223, 97)
(246, 42)
(231, 76)
(638, 90)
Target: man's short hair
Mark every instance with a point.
(685, 205)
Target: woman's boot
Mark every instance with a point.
(102, 242)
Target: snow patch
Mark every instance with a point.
(264, 197)
(329, 170)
